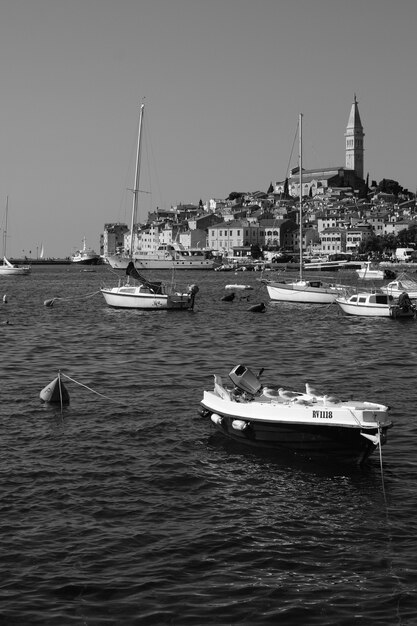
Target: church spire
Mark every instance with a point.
(354, 141)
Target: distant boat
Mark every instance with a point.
(301, 290)
(402, 283)
(85, 256)
(370, 271)
(7, 268)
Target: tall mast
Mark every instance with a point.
(5, 228)
(300, 165)
(137, 177)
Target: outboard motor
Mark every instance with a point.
(245, 379)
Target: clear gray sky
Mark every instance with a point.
(223, 82)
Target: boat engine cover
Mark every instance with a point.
(245, 379)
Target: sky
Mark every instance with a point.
(223, 83)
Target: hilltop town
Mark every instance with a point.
(343, 214)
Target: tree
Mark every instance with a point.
(234, 195)
(386, 185)
(255, 251)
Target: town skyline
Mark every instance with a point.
(223, 84)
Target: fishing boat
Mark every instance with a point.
(302, 290)
(402, 283)
(6, 267)
(148, 295)
(85, 256)
(375, 304)
(145, 294)
(370, 271)
(310, 424)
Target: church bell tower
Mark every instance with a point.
(354, 141)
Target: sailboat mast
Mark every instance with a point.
(5, 229)
(137, 177)
(300, 165)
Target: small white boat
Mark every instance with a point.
(147, 295)
(374, 304)
(370, 271)
(238, 286)
(305, 291)
(7, 268)
(402, 283)
(310, 424)
(11, 269)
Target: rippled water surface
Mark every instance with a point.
(126, 508)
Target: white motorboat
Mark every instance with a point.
(85, 256)
(301, 290)
(370, 271)
(310, 424)
(402, 283)
(6, 267)
(375, 304)
(148, 295)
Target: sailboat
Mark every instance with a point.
(145, 294)
(302, 290)
(7, 268)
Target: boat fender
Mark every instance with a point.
(216, 419)
(239, 424)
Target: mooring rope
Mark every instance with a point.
(93, 391)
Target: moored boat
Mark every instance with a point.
(370, 271)
(167, 256)
(313, 425)
(375, 304)
(6, 267)
(302, 290)
(148, 295)
(402, 283)
(85, 256)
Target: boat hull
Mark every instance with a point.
(147, 301)
(5, 270)
(337, 444)
(300, 292)
(375, 310)
(120, 262)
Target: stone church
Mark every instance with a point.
(317, 182)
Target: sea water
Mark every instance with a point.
(127, 508)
